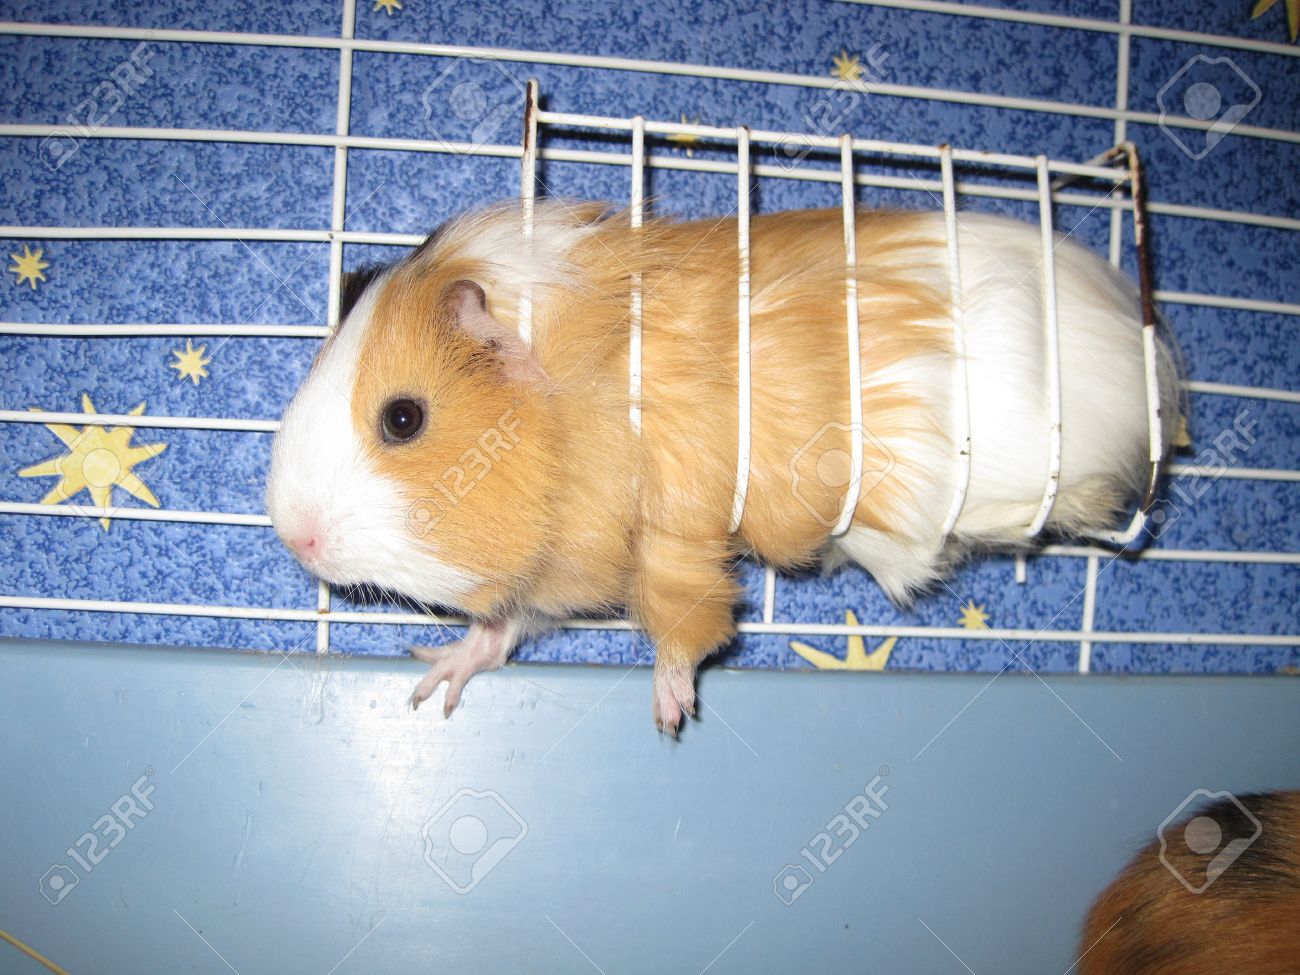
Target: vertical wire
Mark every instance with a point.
(527, 198)
(635, 311)
(744, 377)
(961, 385)
(1052, 334)
(338, 217)
(857, 434)
(1122, 60)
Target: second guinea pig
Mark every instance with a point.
(434, 452)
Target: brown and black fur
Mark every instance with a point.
(1246, 921)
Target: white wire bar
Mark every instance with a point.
(1123, 28)
(141, 330)
(961, 387)
(769, 594)
(719, 72)
(697, 165)
(1151, 362)
(249, 520)
(857, 431)
(528, 196)
(637, 215)
(744, 375)
(1084, 663)
(230, 424)
(782, 629)
(1052, 347)
(338, 220)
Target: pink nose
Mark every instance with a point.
(307, 541)
(305, 546)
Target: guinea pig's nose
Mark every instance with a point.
(306, 540)
(305, 546)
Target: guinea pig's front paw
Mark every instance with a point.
(674, 696)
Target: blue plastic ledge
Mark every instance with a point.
(289, 798)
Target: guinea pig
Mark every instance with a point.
(1221, 895)
(435, 452)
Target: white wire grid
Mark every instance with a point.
(638, 158)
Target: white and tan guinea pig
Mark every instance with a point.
(433, 452)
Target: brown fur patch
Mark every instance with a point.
(1248, 920)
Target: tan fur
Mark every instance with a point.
(1247, 920)
(581, 515)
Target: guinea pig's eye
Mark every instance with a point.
(403, 419)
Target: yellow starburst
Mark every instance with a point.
(191, 364)
(29, 267)
(387, 6)
(1292, 14)
(98, 459)
(685, 140)
(847, 67)
(855, 657)
(973, 616)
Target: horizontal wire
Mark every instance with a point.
(1242, 392)
(778, 629)
(249, 425)
(1012, 102)
(262, 521)
(144, 330)
(1228, 301)
(666, 162)
(75, 510)
(130, 420)
(1238, 473)
(1083, 23)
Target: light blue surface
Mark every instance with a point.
(289, 797)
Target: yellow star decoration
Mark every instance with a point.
(191, 364)
(973, 616)
(98, 459)
(387, 6)
(855, 657)
(687, 142)
(1292, 14)
(847, 67)
(29, 267)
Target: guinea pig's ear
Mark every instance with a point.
(468, 306)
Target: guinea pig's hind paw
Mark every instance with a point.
(674, 697)
(452, 665)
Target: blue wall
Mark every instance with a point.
(116, 182)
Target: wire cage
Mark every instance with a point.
(1110, 183)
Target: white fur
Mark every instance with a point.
(494, 237)
(1103, 403)
(320, 473)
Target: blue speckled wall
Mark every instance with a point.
(120, 183)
